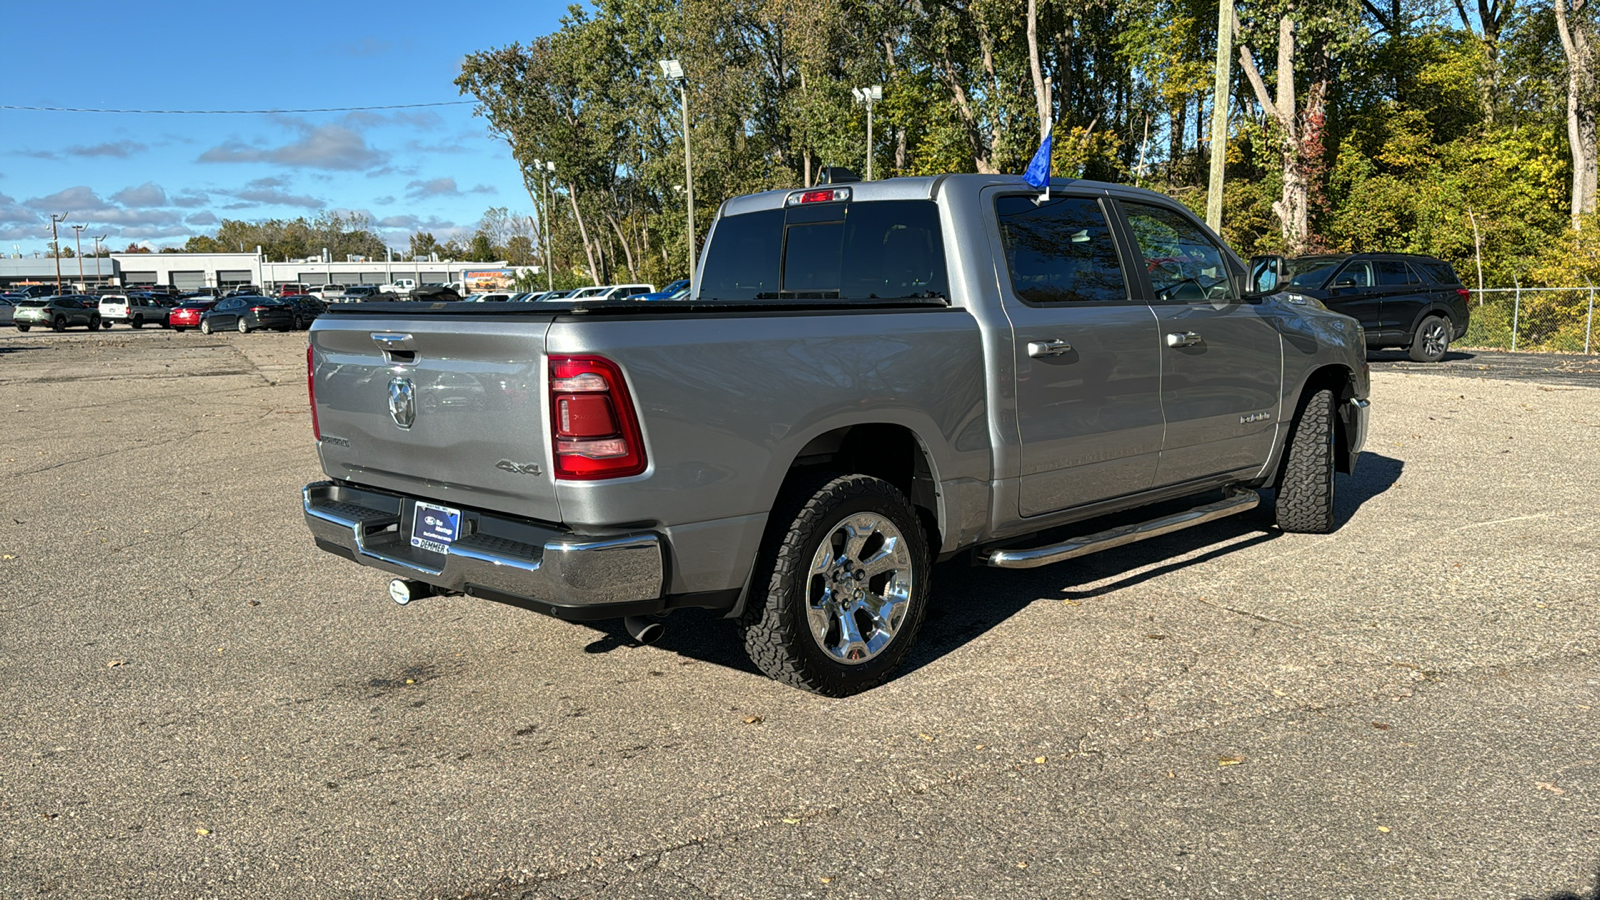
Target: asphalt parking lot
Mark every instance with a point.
(197, 703)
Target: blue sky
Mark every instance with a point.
(158, 179)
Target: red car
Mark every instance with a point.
(188, 315)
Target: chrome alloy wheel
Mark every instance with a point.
(1435, 338)
(859, 589)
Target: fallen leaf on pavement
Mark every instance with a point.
(1547, 786)
(1229, 760)
(754, 720)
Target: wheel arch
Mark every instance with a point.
(1436, 308)
(890, 451)
(1341, 380)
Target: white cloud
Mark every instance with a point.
(147, 194)
(319, 147)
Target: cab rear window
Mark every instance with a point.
(870, 250)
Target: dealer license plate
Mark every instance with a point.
(435, 527)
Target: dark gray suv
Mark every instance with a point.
(1400, 299)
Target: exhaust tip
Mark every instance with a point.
(644, 630)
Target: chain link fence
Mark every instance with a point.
(1533, 318)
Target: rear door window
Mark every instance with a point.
(1393, 273)
(1060, 251)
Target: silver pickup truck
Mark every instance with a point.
(867, 378)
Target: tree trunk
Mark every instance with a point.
(1041, 98)
(583, 232)
(1581, 131)
(627, 251)
(1292, 206)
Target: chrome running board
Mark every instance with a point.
(1237, 501)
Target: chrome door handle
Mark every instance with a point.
(1183, 339)
(1037, 349)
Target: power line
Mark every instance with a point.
(236, 112)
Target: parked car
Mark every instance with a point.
(1400, 299)
(245, 290)
(7, 310)
(292, 289)
(306, 309)
(679, 287)
(356, 293)
(247, 314)
(137, 310)
(60, 313)
(489, 298)
(187, 315)
(871, 377)
(32, 291)
(207, 292)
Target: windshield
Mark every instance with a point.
(1311, 271)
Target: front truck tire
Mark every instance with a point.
(1305, 495)
(845, 585)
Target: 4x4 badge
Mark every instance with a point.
(402, 402)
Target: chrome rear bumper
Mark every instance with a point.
(496, 556)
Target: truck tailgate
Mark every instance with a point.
(449, 409)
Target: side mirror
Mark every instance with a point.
(1267, 273)
(1347, 281)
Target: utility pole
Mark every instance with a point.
(55, 246)
(97, 259)
(77, 235)
(1219, 114)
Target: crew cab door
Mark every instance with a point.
(1088, 405)
(1221, 361)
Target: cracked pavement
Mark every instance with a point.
(200, 704)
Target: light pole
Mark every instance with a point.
(868, 96)
(97, 259)
(77, 235)
(544, 222)
(55, 246)
(674, 72)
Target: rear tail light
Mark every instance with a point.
(1465, 294)
(594, 430)
(311, 392)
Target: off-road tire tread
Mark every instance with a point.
(1305, 495)
(768, 625)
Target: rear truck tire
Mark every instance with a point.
(1305, 495)
(138, 323)
(205, 327)
(844, 585)
(59, 324)
(243, 327)
(23, 327)
(1432, 340)
(105, 324)
(179, 330)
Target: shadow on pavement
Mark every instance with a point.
(968, 601)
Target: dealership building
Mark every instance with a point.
(190, 271)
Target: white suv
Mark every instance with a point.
(135, 311)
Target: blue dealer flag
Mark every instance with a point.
(1038, 174)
